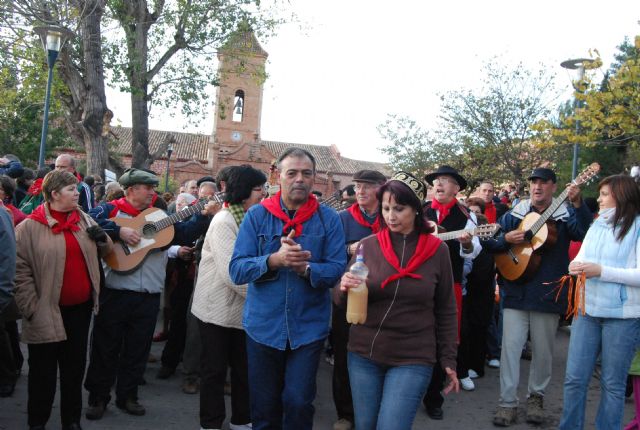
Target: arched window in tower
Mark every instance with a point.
(238, 106)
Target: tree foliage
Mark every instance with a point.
(484, 133)
(22, 88)
(606, 118)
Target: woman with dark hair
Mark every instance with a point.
(411, 318)
(7, 190)
(610, 322)
(218, 305)
(57, 285)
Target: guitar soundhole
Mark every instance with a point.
(149, 231)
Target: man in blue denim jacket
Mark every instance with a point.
(290, 251)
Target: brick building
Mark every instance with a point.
(236, 132)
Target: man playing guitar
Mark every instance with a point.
(447, 212)
(129, 302)
(530, 305)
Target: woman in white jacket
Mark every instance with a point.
(610, 260)
(218, 304)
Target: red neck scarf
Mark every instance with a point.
(443, 209)
(304, 213)
(356, 213)
(71, 223)
(123, 205)
(427, 246)
(36, 187)
(490, 212)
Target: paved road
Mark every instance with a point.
(168, 408)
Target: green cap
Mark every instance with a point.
(136, 176)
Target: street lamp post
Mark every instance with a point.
(577, 66)
(166, 175)
(53, 38)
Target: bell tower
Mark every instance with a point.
(241, 75)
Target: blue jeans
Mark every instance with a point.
(616, 340)
(282, 385)
(386, 397)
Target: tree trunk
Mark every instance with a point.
(138, 54)
(96, 115)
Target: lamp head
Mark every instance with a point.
(53, 37)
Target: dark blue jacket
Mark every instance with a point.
(353, 231)
(13, 169)
(537, 294)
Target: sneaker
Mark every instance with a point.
(535, 413)
(247, 426)
(132, 407)
(473, 374)
(494, 363)
(96, 411)
(504, 417)
(467, 384)
(342, 424)
(190, 386)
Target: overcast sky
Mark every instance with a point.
(358, 61)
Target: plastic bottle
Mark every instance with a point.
(358, 297)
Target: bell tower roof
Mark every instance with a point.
(244, 41)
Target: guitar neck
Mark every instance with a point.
(454, 234)
(186, 213)
(557, 202)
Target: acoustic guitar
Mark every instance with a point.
(484, 231)
(522, 261)
(156, 230)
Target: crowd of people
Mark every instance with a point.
(254, 281)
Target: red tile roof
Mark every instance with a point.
(327, 159)
(188, 146)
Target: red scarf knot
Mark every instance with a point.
(70, 224)
(357, 215)
(490, 212)
(123, 205)
(427, 246)
(443, 209)
(303, 214)
(36, 187)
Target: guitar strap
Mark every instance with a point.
(465, 212)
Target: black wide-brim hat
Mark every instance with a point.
(448, 171)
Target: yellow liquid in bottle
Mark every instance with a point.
(357, 304)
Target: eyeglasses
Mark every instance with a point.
(444, 180)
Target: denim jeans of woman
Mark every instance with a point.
(616, 340)
(386, 397)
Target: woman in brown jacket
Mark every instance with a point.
(411, 319)
(57, 285)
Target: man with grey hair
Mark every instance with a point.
(290, 250)
(86, 199)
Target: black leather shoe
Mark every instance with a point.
(72, 426)
(96, 410)
(435, 413)
(36, 428)
(132, 407)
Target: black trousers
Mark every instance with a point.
(341, 386)
(173, 349)
(223, 347)
(70, 357)
(10, 364)
(120, 344)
